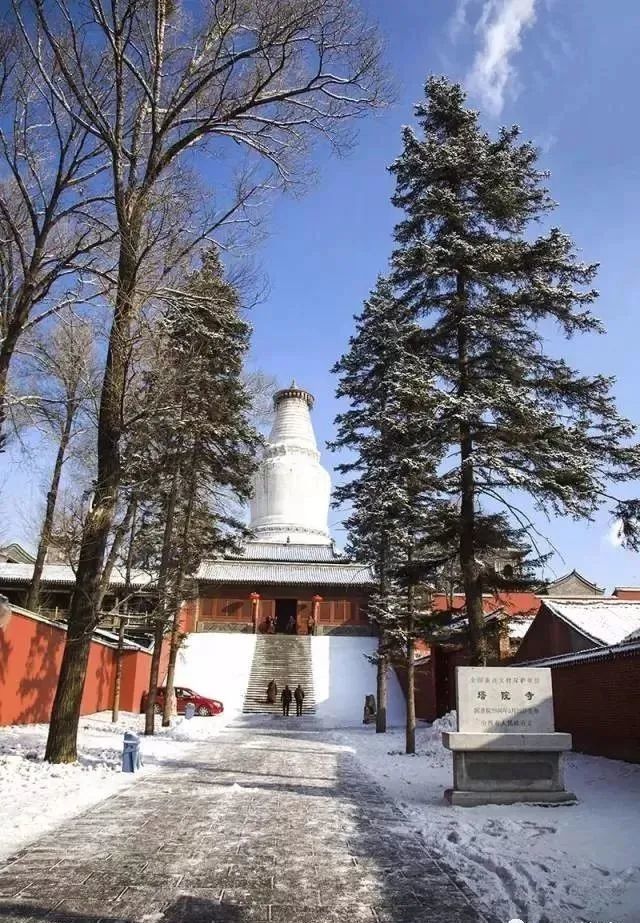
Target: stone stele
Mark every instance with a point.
(506, 749)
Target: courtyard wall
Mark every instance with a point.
(595, 699)
(31, 649)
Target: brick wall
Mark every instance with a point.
(597, 702)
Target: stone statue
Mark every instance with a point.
(369, 709)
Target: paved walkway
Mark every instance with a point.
(259, 825)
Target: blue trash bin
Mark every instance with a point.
(131, 759)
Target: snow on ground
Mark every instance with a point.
(217, 664)
(36, 796)
(343, 676)
(536, 864)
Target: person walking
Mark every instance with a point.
(272, 692)
(299, 697)
(285, 698)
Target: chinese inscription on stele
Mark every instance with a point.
(504, 700)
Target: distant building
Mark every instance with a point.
(572, 585)
(16, 554)
(58, 583)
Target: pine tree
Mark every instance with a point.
(517, 419)
(393, 485)
(203, 443)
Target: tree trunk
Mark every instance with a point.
(115, 711)
(83, 617)
(131, 516)
(154, 675)
(114, 551)
(33, 597)
(161, 621)
(381, 712)
(7, 349)
(471, 579)
(411, 677)
(169, 696)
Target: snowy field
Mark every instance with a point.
(36, 796)
(535, 864)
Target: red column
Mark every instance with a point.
(255, 610)
(315, 614)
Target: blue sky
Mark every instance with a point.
(567, 73)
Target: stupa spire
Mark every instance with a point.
(291, 488)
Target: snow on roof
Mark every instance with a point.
(519, 627)
(603, 621)
(15, 553)
(285, 551)
(64, 575)
(314, 574)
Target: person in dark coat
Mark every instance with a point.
(272, 692)
(285, 698)
(299, 697)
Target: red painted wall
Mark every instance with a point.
(597, 702)
(547, 637)
(30, 656)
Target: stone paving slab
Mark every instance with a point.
(265, 824)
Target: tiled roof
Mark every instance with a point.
(552, 588)
(307, 574)
(64, 575)
(607, 652)
(627, 592)
(17, 554)
(510, 602)
(603, 621)
(284, 551)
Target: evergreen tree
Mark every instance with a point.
(392, 487)
(516, 418)
(202, 443)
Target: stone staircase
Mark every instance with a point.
(287, 659)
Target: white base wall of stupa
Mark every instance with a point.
(343, 676)
(218, 664)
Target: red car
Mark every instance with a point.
(203, 705)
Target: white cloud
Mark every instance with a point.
(459, 19)
(500, 27)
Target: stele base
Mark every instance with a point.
(507, 768)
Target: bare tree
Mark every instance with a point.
(50, 216)
(61, 364)
(157, 85)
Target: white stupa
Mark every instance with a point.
(291, 489)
